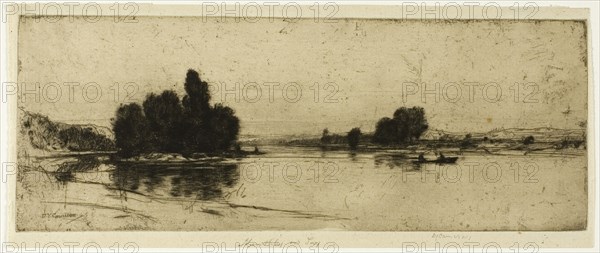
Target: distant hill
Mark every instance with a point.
(540, 134)
(39, 133)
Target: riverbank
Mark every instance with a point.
(194, 157)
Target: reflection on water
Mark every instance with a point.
(307, 188)
(65, 170)
(199, 181)
(202, 182)
(395, 161)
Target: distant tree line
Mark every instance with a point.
(406, 126)
(352, 138)
(163, 123)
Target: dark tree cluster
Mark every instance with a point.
(528, 140)
(326, 137)
(468, 142)
(353, 137)
(407, 125)
(164, 123)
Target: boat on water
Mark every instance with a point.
(440, 160)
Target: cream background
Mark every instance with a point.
(570, 240)
(368, 60)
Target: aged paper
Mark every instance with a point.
(327, 121)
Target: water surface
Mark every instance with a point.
(297, 188)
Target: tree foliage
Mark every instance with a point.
(225, 126)
(407, 125)
(528, 140)
(131, 130)
(166, 124)
(325, 137)
(386, 131)
(353, 137)
(468, 142)
(197, 101)
(164, 114)
(77, 138)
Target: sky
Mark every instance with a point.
(288, 78)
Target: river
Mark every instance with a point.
(299, 188)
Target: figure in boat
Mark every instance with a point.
(421, 158)
(441, 159)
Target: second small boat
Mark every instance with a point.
(441, 160)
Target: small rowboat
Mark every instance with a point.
(439, 160)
